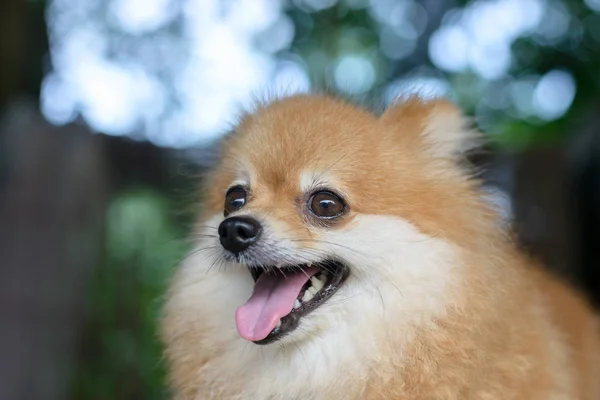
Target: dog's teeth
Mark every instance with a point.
(317, 284)
(312, 290)
(278, 324)
(307, 295)
(297, 304)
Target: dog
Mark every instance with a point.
(342, 254)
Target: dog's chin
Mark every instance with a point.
(315, 283)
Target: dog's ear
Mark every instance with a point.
(438, 125)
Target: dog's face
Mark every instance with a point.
(325, 221)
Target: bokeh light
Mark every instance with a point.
(211, 66)
(179, 73)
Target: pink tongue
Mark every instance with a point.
(273, 297)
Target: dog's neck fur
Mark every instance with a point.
(410, 352)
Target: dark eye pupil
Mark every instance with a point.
(327, 204)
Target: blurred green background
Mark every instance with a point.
(109, 110)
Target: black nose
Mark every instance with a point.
(238, 233)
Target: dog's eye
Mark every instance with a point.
(235, 199)
(326, 205)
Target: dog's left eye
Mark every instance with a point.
(326, 205)
(235, 199)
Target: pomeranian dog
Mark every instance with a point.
(346, 255)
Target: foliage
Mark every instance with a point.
(501, 105)
(120, 354)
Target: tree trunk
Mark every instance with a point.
(53, 194)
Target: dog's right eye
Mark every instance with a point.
(235, 199)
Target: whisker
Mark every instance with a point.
(326, 242)
(326, 170)
(303, 271)
(202, 235)
(217, 261)
(199, 250)
(301, 353)
(382, 301)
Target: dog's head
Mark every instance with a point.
(323, 219)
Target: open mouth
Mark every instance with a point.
(282, 296)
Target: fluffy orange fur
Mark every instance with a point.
(498, 327)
